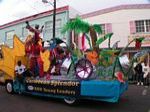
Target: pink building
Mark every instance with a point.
(126, 22)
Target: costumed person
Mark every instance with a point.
(57, 57)
(36, 63)
(36, 32)
(20, 74)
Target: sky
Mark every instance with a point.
(11, 10)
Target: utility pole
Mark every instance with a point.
(54, 14)
(54, 19)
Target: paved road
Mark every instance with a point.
(136, 99)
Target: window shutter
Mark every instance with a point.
(132, 27)
(108, 28)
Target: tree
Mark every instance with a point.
(80, 26)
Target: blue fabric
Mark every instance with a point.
(103, 90)
(17, 86)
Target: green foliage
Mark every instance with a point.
(108, 35)
(140, 39)
(97, 28)
(102, 39)
(89, 42)
(78, 25)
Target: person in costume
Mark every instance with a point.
(36, 63)
(36, 32)
(57, 57)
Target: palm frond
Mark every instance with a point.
(78, 25)
(108, 35)
(102, 39)
(98, 28)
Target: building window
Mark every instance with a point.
(142, 26)
(48, 26)
(103, 26)
(58, 23)
(9, 38)
(147, 25)
(24, 32)
(48, 31)
(106, 28)
(58, 27)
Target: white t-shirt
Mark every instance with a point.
(145, 70)
(19, 69)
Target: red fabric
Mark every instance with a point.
(27, 50)
(32, 63)
(37, 61)
(35, 49)
(40, 65)
(119, 76)
(36, 32)
(137, 44)
(48, 77)
(83, 42)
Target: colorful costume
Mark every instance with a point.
(36, 63)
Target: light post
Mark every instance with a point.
(54, 14)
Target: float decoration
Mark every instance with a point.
(138, 42)
(98, 74)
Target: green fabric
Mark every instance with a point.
(76, 54)
(140, 39)
(78, 25)
(102, 39)
(97, 28)
(88, 39)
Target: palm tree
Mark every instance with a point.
(80, 26)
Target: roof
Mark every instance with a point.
(116, 8)
(36, 16)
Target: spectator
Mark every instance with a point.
(146, 72)
(139, 72)
(134, 76)
(20, 73)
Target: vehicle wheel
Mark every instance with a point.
(70, 100)
(9, 87)
(83, 69)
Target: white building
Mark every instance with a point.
(18, 27)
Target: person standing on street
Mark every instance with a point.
(139, 72)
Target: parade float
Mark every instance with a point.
(72, 73)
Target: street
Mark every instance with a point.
(136, 99)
